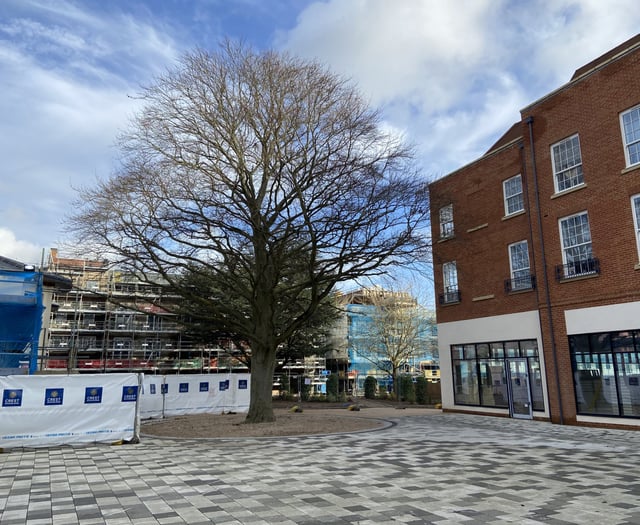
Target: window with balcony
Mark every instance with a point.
(450, 275)
(521, 278)
(446, 222)
(575, 236)
(567, 164)
(513, 197)
(630, 124)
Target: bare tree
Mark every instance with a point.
(397, 331)
(270, 167)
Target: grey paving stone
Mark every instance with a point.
(438, 469)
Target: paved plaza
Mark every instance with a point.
(424, 468)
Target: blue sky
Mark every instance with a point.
(450, 75)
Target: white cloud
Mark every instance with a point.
(68, 77)
(396, 50)
(22, 251)
(454, 75)
(56, 133)
(449, 76)
(569, 33)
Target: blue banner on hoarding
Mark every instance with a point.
(53, 396)
(93, 394)
(207, 394)
(129, 393)
(12, 397)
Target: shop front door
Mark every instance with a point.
(519, 392)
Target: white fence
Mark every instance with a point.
(51, 410)
(194, 394)
(59, 410)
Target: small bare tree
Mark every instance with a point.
(268, 171)
(397, 329)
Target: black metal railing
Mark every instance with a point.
(517, 284)
(577, 269)
(446, 230)
(450, 297)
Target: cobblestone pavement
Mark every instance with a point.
(430, 468)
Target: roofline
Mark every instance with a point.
(487, 155)
(626, 48)
(598, 65)
(59, 282)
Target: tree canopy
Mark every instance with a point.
(268, 170)
(202, 290)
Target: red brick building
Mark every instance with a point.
(537, 258)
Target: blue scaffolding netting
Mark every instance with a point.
(20, 321)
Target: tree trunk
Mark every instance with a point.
(396, 383)
(263, 360)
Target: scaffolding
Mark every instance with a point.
(115, 321)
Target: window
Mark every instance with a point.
(446, 221)
(450, 274)
(513, 198)
(480, 372)
(630, 123)
(93, 285)
(520, 269)
(567, 164)
(576, 246)
(606, 373)
(635, 207)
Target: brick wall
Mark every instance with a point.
(590, 107)
(482, 236)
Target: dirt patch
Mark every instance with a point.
(315, 418)
(286, 424)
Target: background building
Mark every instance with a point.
(366, 357)
(114, 321)
(26, 303)
(106, 320)
(537, 257)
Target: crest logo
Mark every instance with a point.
(53, 396)
(129, 394)
(93, 394)
(12, 397)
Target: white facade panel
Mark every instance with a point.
(610, 318)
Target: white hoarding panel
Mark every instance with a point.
(183, 394)
(204, 394)
(54, 410)
(151, 398)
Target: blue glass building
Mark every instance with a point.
(25, 302)
(20, 320)
(361, 313)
